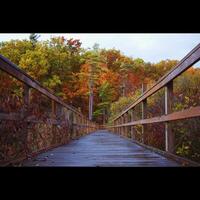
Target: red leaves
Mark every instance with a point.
(74, 44)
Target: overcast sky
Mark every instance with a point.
(149, 47)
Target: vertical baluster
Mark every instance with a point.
(132, 127)
(117, 123)
(125, 128)
(129, 127)
(169, 135)
(26, 102)
(74, 125)
(144, 114)
(121, 124)
(122, 121)
(53, 116)
(82, 125)
(78, 122)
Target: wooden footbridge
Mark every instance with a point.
(62, 136)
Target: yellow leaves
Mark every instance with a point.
(187, 100)
(34, 63)
(52, 82)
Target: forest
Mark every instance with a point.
(102, 82)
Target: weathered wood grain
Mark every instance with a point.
(179, 115)
(103, 149)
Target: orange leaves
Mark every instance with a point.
(68, 93)
(110, 76)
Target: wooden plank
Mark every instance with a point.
(184, 114)
(101, 148)
(191, 58)
(181, 160)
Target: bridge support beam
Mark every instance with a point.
(129, 127)
(169, 135)
(132, 127)
(144, 114)
(117, 123)
(126, 127)
(121, 128)
(26, 102)
(53, 117)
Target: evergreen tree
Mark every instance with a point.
(34, 37)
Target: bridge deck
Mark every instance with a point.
(100, 148)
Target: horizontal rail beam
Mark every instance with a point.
(19, 74)
(184, 114)
(18, 117)
(184, 64)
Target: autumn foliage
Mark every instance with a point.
(64, 67)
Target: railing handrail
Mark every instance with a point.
(12, 69)
(192, 57)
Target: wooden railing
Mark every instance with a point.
(60, 121)
(126, 118)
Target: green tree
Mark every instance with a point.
(33, 38)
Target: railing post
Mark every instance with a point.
(144, 114)
(123, 126)
(132, 127)
(125, 130)
(86, 126)
(53, 117)
(74, 125)
(120, 128)
(26, 96)
(126, 127)
(83, 126)
(169, 135)
(53, 106)
(79, 123)
(26, 102)
(118, 123)
(115, 124)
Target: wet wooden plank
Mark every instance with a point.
(103, 149)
